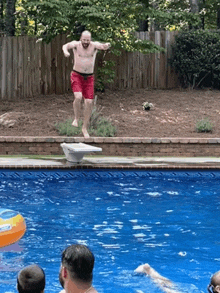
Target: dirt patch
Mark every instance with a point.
(175, 113)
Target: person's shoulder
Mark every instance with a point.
(74, 44)
(96, 45)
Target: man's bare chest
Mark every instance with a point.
(82, 53)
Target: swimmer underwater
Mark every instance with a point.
(168, 286)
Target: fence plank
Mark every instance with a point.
(162, 69)
(15, 67)
(4, 68)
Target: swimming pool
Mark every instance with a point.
(168, 219)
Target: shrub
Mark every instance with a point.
(66, 128)
(196, 58)
(147, 106)
(204, 125)
(105, 128)
(99, 126)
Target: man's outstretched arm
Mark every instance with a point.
(102, 46)
(165, 284)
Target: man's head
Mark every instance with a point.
(214, 286)
(31, 279)
(85, 39)
(78, 263)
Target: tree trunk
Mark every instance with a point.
(218, 18)
(143, 24)
(194, 4)
(10, 18)
(1, 16)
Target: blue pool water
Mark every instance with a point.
(169, 219)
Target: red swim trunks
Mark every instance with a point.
(83, 83)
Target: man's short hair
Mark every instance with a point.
(79, 261)
(31, 279)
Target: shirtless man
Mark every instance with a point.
(167, 286)
(82, 78)
(76, 271)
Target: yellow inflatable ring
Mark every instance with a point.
(12, 227)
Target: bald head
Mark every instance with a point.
(86, 34)
(31, 279)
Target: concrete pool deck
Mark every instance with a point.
(112, 162)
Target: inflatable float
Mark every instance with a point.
(12, 227)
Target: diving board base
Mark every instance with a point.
(75, 152)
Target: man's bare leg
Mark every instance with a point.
(88, 105)
(77, 108)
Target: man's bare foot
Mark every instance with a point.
(75, 123)
(85, 133)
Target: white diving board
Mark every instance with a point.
(74, 152)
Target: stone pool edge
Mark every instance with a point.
(114, 146)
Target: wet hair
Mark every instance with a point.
(215, 281)
(31, 279)
(79, 261)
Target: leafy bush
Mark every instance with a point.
(105, 128)
(105, 74)
(99, 126)
(66, 128)
(147, 106)
(204, 125)
(196, 58)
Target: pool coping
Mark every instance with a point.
(104, 162)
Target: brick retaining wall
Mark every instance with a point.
(114, 146)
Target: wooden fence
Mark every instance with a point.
(29, 68)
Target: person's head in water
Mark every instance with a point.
(85, 39)
(77, 264)
(214, 286)
(31, 279)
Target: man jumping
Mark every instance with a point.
(82, 76)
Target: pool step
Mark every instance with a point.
(74, 152)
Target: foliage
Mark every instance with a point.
(196, 58)
(147, 106)
(105, 74)
(204, 125)
(66, 128)
(47, 18)
(105, 128)
(172, 15)
(181, 16)
(99, 126)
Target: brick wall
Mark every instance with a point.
(181, 147)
